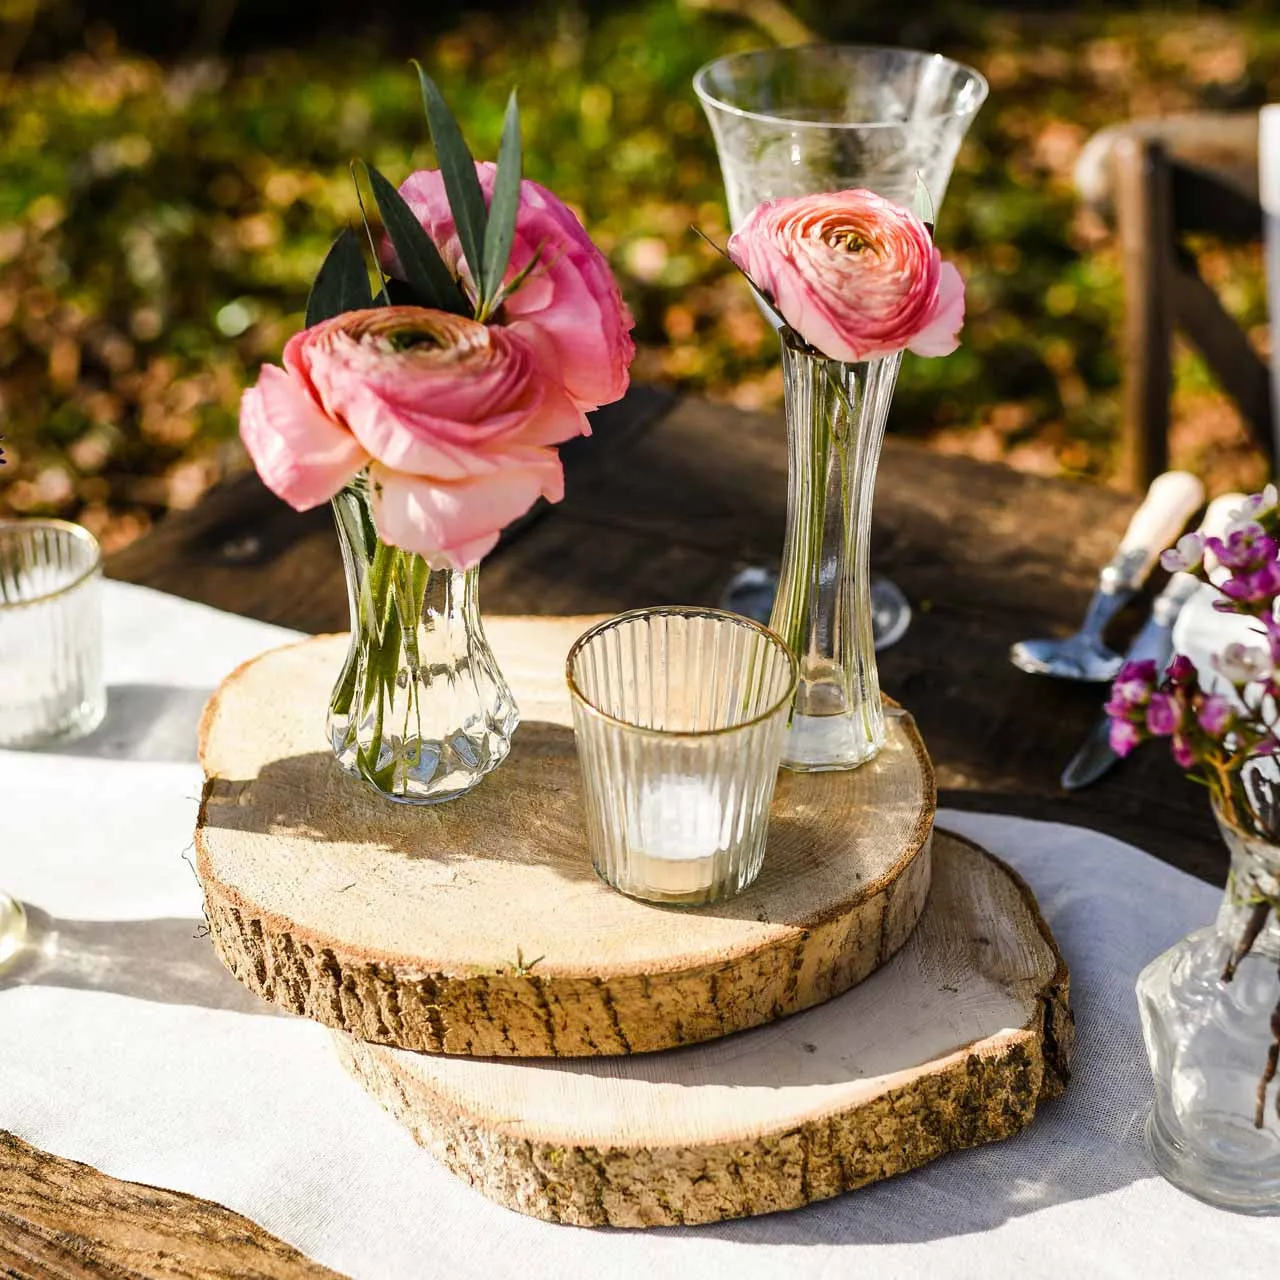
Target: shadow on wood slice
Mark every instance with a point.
(951, 1044)
(479, 926)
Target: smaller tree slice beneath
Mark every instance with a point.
(479, 927)
(953, 1043)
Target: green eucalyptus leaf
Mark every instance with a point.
(342, 283)
(420, 260)
(504, 205)
(466, 199)
(383, 297)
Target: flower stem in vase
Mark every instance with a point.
(836, 415)
(421, 711)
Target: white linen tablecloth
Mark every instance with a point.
(130, 1048)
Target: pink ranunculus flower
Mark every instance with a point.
(570, 303)
(455, 421)
(855, 275)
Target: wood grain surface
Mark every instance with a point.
(665, 501)
(60, 1220)
(953, 1043)
(479, 927)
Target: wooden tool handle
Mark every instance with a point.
(1170, 503)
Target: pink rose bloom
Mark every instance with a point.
(569, 304)
(854, 274)
(454, 420)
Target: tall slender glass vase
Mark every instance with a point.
(421, 711)
(811, 118)
(835, 426)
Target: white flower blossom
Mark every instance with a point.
(1243, 663)
(1257, 504)
(1185, 554)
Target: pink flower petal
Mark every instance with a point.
(941, 336)
(302, 456)
(571, 295)
(459, 522)
(557, 419)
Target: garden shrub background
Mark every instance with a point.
(169, 182)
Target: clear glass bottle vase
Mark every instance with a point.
(836, 417)
(1210, 1011)
(421, 711)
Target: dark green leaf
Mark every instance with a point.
(504, 205)
(400, 294)
(420, 261)
(342, 283)
(466, 200)
(383, 298)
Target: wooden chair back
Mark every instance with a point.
(1164, 181)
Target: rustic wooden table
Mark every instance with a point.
(665, 501)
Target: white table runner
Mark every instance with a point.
(128, 1047)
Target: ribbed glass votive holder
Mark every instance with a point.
(680, 716)
(51, 683)
(13, 928)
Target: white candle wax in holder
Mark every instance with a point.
(677, 834)
(679, 716)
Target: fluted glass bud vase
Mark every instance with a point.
(1211, 1018)
(421, 711)
(836, 417)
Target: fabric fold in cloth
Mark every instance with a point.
(124, 1044)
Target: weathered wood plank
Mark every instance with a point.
(1219, 146)
(1145, 228)
(61, 1219)
(1243, 374)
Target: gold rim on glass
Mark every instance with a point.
(681, 611)
(80, 533)
(701, 88)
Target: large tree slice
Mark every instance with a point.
(953, 1043)
(479, 927)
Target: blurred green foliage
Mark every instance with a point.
(160, 223)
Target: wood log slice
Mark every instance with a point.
(479, 926)
(951, 1044)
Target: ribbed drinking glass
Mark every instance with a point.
(51, 683)
(680, 716)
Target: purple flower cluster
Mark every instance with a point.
(1209, 733)
(1253, 558)
(1142, 705)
